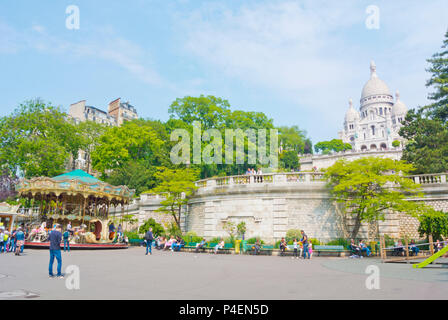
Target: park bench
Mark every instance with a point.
(136, 242)
(264, 250)
(330, 249)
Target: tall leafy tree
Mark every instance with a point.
(37, 140)
(334, 145)
(292, 138)
(177, 185)
(289, 160)
(426, 129)
(427, 142)
(439, 82)
(371, 186)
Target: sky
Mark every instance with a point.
(299, 62)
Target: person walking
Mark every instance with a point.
(66, 237)
(304, 240)
(149, 238)
(20, 241)
(55, 251)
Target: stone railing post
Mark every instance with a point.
(417, 180)
(443, 178)
(211, 183)
(279, 178)
(231, 181)
(307, 177)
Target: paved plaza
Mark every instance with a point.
(129, 274)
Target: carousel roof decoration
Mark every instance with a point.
(73, 183)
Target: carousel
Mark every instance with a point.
(78, 202)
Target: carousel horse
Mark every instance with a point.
(38, 235)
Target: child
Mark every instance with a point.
(296, 244)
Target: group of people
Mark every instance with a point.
(258, 174)
(304, 245)
(358, 249)
(13, 241)
(119, 231)
(162, 243)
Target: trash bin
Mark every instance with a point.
(237, 246)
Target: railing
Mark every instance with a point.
(437, 178)
(268, 178)
(299, 177)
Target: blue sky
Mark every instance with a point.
(297, 61)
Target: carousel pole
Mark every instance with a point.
(84, 209)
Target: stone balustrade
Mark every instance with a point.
(300, 177)
(267, 178)
(436, 178)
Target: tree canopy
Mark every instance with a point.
(371, 186)
(335, 145)
(426, 129)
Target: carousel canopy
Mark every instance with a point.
(77, 175)
(74, 183)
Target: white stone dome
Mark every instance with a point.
(351, 115)
(399, 107)
(375, 86)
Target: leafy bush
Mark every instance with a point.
(314, 241)
(191, 236)
(339, 242)
(435, 224)
(253, 240)
(157, 228)
(132, 235)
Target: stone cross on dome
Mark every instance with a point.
(372, 69)
(397, 95)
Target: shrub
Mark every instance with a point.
(253, 240)
(314, 241)
(157, 228)
(339, 242)
(292, 234)
(191, 236)
(435, 224)
(132, 235)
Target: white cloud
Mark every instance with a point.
(102, 44)
(316, 53)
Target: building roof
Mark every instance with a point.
(374, 86)
(399, 107)
(351, 114)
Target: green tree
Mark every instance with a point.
(426, 129)
(177, 185)
(434, 223)
(157, 228)
(371, 186)
(37, 140)
(89, 133)
(292, 138)
(427, 142)
(289, 160)
(439, 81)
(335, 145)
(130, 154)
(241, 228)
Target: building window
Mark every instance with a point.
(373, 130)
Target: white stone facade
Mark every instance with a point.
(375, 126)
